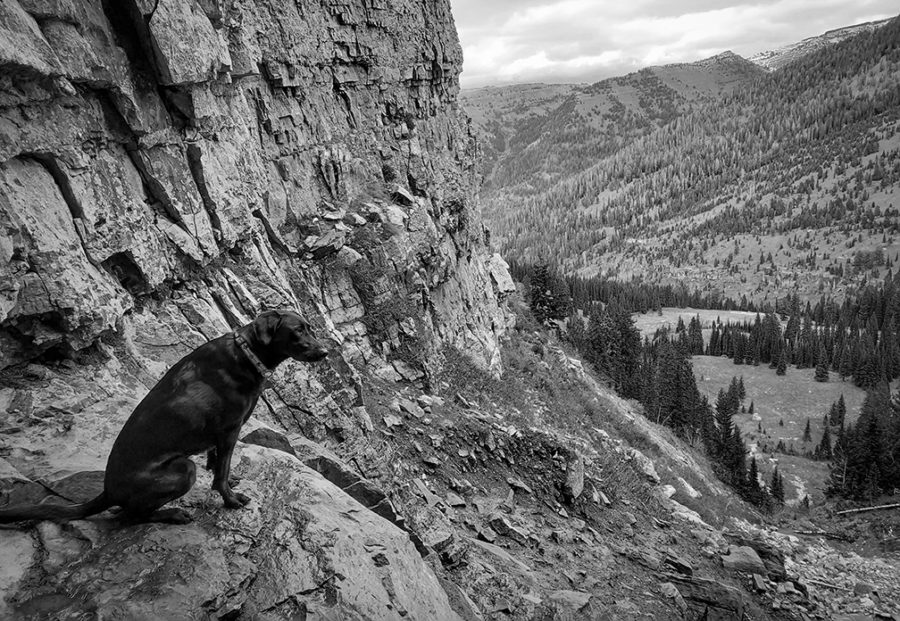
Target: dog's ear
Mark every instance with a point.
(265, 326)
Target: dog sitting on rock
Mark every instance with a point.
(198, 406)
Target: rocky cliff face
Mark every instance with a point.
(169, 168)
(222, 156)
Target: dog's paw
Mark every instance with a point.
(236, 501)
(180, 517)
(173, 515)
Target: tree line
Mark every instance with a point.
(656, 372)
(856, 338)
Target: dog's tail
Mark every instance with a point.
(51, 511)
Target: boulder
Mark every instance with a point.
(411, 408)
(679, 564)
(644, 465)
(328, 244)
(709, 599)
(574, 484)
(518, 485)
(301, 547)
(499, 271)
(269, 438)
(671, 591)
(569, 602)
(743, 559)
(863, 588)
(772, 557)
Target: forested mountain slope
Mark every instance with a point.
(535, 135)
(788, 180)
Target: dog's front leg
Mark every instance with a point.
(224, 449)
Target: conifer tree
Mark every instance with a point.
(576, 330)
(777, 486)
(807, 432)
(781, 368)
(540, 293)
(821, 366)
(837, 470)
(823, 451)
(724, 421)
(695, 337)
(840, 412)
(549, 294)
(754, 492)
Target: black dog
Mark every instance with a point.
(199, 405)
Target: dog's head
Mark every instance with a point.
(288, 334)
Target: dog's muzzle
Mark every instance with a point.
(318, 354)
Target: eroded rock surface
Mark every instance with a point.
(234, 152)
(169, 169)
(302, 547)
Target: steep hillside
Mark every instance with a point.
(777, 58)
(788, 182)
(536, 135)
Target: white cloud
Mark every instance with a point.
(587, 40)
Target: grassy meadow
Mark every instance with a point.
(790, 399)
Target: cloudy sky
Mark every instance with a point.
(508, 41)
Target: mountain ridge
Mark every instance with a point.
(774, 59)
(663, 179)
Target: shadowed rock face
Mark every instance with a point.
(148, 146)
(169, 169)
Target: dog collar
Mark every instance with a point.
(257, 363)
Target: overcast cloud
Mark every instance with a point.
(517, 41)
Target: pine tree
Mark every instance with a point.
(807, 433)
(576, 331)
(751, 409)
(823, 451)
(625, 353)
(837, 470)
(832, 415)
(549, 294)
(742, 391)
(738, 354)
(841, 412)
(695, 336)
(599, 340)
(777, 486)
(734, 393)
(754, 492)
(821, 366)
(724, 421)
(540, 294)
(735, 459)
(781, 368)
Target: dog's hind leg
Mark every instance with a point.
(153, 489)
